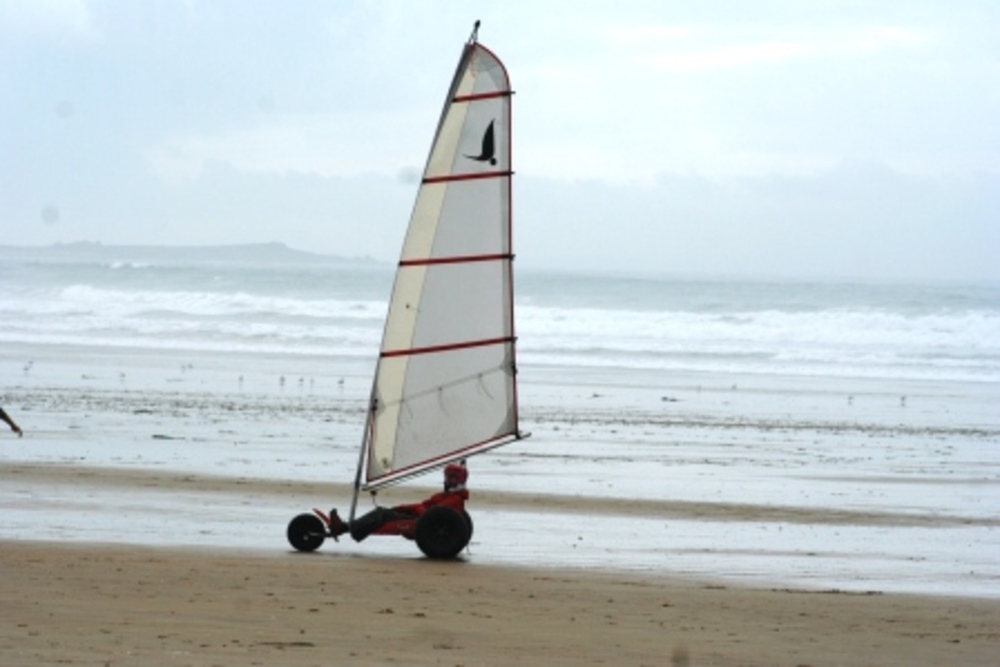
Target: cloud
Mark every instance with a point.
(732, 100)
(345, 144)
(60, 19)
(713, 137)
(722, 47)
(736, 55)
(857, 220)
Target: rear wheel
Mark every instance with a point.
(468, 520)
(443, 532)
(306, 532)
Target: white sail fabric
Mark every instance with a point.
(445, 383)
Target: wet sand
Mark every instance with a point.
(783, 523)
(91, 604)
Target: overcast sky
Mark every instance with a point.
(783, 138)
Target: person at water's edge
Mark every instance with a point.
(454, 496)
(10, 422)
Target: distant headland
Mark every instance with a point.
(82, 251)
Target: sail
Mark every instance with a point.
(444, 385)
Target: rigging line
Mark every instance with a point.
(475, 377)
(482, 386)
(440, 400)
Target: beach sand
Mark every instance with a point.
(104, 605)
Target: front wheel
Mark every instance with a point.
(306, 532)
(443, 532)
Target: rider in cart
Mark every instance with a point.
(453, 496)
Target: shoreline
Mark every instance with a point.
(743, 544)
(126, 478)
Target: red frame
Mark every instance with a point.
(406, 527)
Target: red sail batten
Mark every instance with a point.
(447, 348)
(463, 259)
(482, 96)
(466, 177)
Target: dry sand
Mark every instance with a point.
(106, 605)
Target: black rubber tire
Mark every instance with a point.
(468, 520)
(443, 532)
(306, 532)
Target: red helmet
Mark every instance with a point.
(455, 474)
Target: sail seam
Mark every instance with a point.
(450, 347)
(466, 177)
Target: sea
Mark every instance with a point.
(269, 299)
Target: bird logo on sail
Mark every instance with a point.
(488, 152)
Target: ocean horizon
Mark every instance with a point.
(276, 252)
